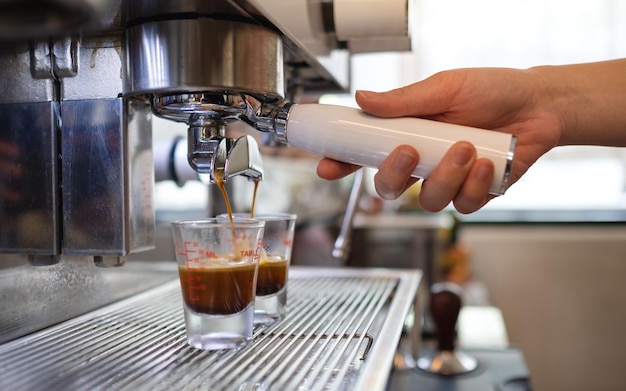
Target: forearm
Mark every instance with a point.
(590, 100)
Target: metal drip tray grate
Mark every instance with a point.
(341, 332)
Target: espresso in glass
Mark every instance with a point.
(272, 275)
(218, 290)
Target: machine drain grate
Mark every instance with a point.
(333, 327)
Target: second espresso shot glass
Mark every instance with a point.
(271, 293)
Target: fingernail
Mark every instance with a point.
(484, 171)
(463, 155)
(403, 161)
(364, 94)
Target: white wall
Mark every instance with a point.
(562, 291)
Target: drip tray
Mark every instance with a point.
(341, 333)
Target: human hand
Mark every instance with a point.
(501, 99)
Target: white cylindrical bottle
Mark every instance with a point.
(352, 136)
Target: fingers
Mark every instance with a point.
(394, 175)
(430, 96)
(447, 178)
(459, 178)
(475, 191)
(384, 104)
(331, 169)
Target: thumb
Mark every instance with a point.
(428, 97)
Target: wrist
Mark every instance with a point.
(555, 100)
(588, 100)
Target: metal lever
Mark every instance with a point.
(445, 304)
(342, 244)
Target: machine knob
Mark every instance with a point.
(445, 305)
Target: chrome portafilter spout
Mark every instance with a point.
(209, 151)
(243, 158)
(206, 137)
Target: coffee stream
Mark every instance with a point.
(223, 291)
(272, 276)
(220, 183)
(256, 187)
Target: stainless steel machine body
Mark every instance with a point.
(81, 170)
(76, 142)
(81, 80)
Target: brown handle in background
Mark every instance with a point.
(445, 305)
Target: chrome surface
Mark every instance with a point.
(344, 239)
(29, 215)
(15, 66)
(279, 125)
(176, 56)
(34, 297)
(99, 73)
(244, 158)
(107, 177)
(174, 62)
(509, 166)
(209, 151)
(85, 181)
(447, 363)
(206, 139)
(340, 333)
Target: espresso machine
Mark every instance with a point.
(81, 83)
(82, 80)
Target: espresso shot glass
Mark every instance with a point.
(271, 292)
(218, 267)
